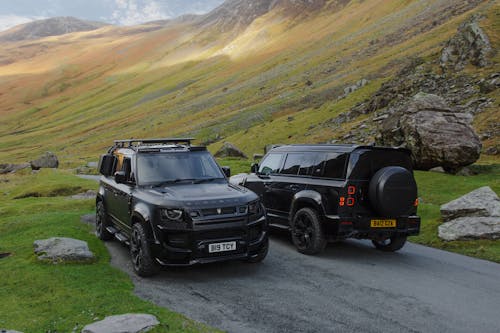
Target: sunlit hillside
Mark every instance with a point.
(275, 77)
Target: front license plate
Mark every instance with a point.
(383, 223)
(221, 247)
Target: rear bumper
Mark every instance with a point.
(190, 247)
(349, 227)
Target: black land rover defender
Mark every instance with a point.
(173, 205)
(325, 193)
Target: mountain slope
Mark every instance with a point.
(50, 27)
(276, 77)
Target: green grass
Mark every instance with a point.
(44, 297)
(436, 189)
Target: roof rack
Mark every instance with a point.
(137, 142)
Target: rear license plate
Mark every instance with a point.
(383, 223)
(221, 247)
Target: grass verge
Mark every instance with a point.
(43, 297)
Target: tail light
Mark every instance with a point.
(350, 200)
(416, 202)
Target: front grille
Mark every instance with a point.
(219, 211)
(220, 233)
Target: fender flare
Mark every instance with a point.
(310, 198)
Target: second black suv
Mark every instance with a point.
(173, 205)
(331, 192)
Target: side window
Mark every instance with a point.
(333, 166)
(299, 164)
(270, 164)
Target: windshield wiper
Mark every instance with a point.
(202, 180)
(174, 181)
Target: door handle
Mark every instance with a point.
(294, 187)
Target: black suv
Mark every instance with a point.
(173, 204)
(326, 193)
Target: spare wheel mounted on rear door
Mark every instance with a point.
(392, 191)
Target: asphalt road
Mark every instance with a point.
(351, 287)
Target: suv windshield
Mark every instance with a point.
(156, 169)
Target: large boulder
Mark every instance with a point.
(127, 323)
(469, 45)
(12, 168)
(475, 215)
(436, 134)
(61, 249)
(229, 150)
(47, 160)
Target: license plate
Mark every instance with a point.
(383, 223)
(221, 247)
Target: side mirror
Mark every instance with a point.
(120, 177)
(254, 168)
(227, 171)
(107, 164)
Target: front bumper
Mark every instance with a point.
(191, 246)
(349, 227)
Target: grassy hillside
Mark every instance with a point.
(277, 80)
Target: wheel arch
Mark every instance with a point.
(307, 199)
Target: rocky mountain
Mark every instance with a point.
(255, 73)
(49, 27)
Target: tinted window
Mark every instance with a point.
(333, 166)
(158, 168)
(270, 164)
(363, 164)
(300, 163)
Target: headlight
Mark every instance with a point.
(254, 207)
(172, 214)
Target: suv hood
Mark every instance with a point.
(205, 194)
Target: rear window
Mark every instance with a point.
(299, 164)
(332, 166)
(364, 164)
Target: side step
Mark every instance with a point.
(118, 235)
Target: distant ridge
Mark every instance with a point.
(49, 27)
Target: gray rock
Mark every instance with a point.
(12, 168)
(47, 160)
(9, 331)
(483, 202)
(61, 249)
(437, 169)
(469, 228)
(92, 164)
(127, 323)
(229, 150)
(469, 45)
(436, 134)
(88, 219)
(85, 195)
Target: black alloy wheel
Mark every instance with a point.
(391, 244)
(140, 252)
(307, 232)
(101, 222)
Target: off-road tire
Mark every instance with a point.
(261, 254)
(101, 222)
(391, 244)
(307, 232)
(140, 252)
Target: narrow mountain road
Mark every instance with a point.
(351, 287)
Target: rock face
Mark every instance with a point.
(127, 323)
(475, 215)
(12, 168)
(229, 150)
(470, 44)
(60, 249)
(436, 134)
(47, 160)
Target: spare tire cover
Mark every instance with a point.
(392, 191)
